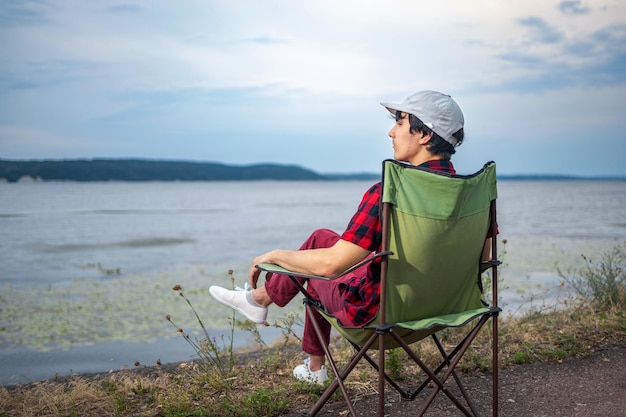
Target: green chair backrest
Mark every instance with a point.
(437, 227)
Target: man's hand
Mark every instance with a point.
(253, 276)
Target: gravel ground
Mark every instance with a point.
(590, 386)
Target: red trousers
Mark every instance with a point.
(282, 290)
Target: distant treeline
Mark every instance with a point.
(147, 170)
(155, 170)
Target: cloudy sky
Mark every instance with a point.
(542, 83)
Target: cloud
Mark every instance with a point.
(22, 13)
(291, 81)
(44, 74)
(540, 30)
(573, 8)
(549, 58)
(125, 8)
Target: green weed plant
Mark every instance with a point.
(601, 283)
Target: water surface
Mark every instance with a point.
(87, 268)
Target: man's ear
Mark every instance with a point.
(425, 138)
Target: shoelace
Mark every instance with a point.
(246, 287)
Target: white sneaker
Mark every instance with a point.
(241, 301)
(304, 373)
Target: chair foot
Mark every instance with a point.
(406, 395)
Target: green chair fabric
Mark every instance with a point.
(438, 226)
(434, 229)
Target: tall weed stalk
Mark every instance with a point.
(601, 283)
(213, 356)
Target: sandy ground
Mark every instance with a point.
(591, 386)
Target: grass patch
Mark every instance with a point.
(261, 383)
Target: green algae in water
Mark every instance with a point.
(87, 311)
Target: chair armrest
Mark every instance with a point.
(276, 269)
(485, 265)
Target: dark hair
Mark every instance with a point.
(438, 145)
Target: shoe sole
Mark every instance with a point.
(234, 307)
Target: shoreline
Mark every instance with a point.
(155, 370)
(116, 355)
(544, 388)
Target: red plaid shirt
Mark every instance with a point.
(362, 293)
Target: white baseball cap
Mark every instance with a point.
(436, 110)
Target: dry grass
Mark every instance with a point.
(115, 394)
(54, 399)
(563, 333)
(262, 383)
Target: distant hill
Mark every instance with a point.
(147, 170)
(161, 170)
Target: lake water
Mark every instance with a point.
(86, 269)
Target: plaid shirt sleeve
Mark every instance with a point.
(362, 292)
(364, 228)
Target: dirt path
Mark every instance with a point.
(593, 386)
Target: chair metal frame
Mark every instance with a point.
(383, 332)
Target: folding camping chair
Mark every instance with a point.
(434, 232)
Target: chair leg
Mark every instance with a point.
(451, 362)
(432, 377)
(494, 357)
(381, 375)
(455, 360)
(403, 392)
(440, 367)
(336, 383)
(494, 367)
(339, 376)
(446, 360)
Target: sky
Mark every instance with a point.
(542, 83)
